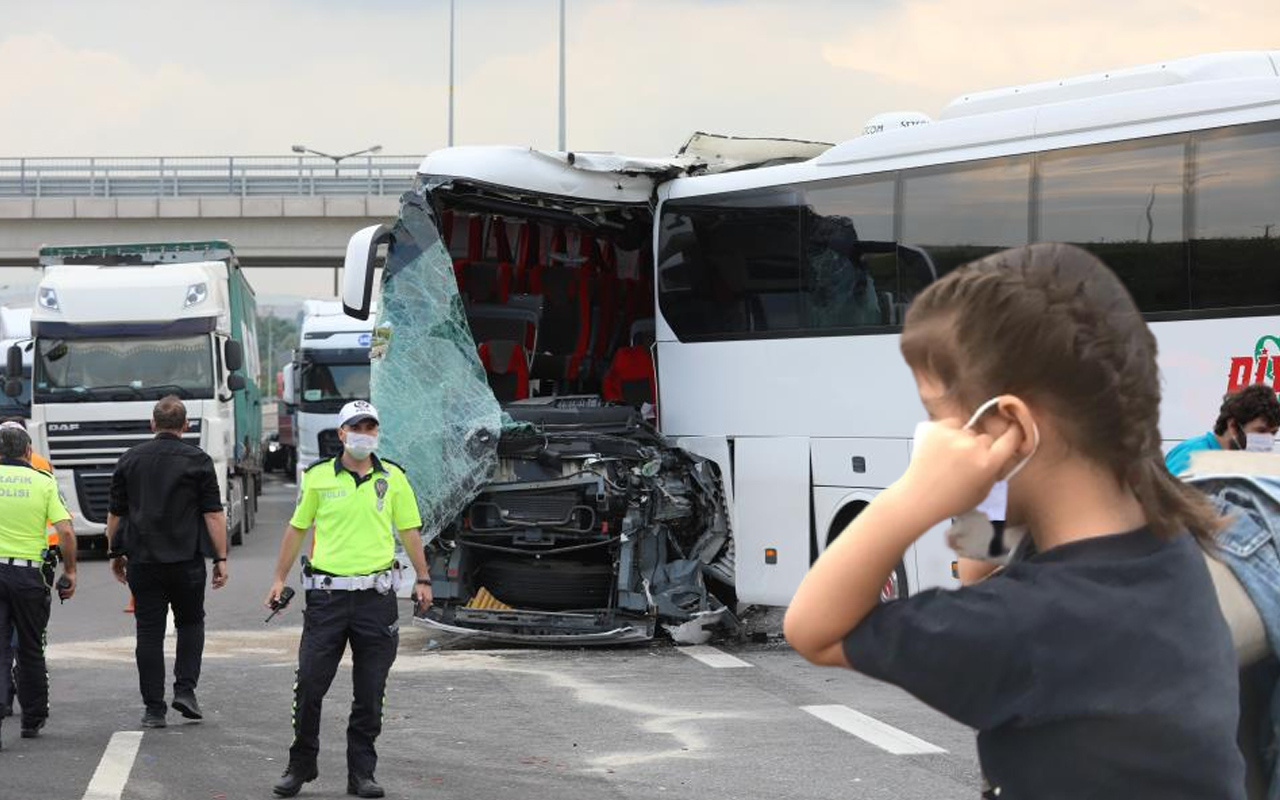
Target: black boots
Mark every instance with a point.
(291, 782)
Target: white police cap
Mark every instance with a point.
(355, 411)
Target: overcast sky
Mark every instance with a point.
(171, 77)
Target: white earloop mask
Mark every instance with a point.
(982, 533)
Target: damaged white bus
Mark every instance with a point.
(539, 310)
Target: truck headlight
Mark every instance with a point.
(196, 294)
(49, 298)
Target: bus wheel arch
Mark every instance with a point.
(895, 586)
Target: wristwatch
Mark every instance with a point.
(216, 560)
(424, 581)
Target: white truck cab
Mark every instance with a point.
(114, 329)
(329, 369)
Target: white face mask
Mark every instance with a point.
(1259, 442)
(982, 533)
(360, 445)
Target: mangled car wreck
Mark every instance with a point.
(592, 527)
(512, 360)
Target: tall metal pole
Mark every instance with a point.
(452, 5)
(562, 103)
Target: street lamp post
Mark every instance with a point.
(562, 81)
(452, 11)
(298, 148)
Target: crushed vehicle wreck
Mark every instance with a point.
(592, 528)
(520, 322)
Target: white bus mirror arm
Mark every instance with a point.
(357, 269)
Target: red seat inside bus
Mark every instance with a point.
(555, 314)
(506, 366)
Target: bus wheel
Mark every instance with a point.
(895, 586)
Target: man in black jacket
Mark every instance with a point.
(165, 518)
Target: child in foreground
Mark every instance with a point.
(1100, 666)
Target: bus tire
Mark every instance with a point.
(895, 586)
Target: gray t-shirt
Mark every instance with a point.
(1097, 669)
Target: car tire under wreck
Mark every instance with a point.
(593, 529)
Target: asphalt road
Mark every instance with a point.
(653, 721)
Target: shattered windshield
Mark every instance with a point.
(439, 418)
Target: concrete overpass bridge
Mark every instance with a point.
(279, 212)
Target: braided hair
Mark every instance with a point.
(1053, 325)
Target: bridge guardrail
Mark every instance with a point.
(194, 176)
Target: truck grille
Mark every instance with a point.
(90, 450)
(99, 444)
(94, 491)
(328, 443)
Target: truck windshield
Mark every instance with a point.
(326, 387)
(81, 370)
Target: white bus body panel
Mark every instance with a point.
(816, 387)
(873, 463)
(771, 494)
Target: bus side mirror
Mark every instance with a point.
(235, 382)
(357, 269)
(13, 363)
(233, 354)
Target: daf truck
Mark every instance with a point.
(329, 369)
(115, 328)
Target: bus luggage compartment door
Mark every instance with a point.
(771, 530)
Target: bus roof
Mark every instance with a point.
(1149, 100)
(609, 177)
(1156, 99)
(138, 252)
(1153, 93)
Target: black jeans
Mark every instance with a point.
(156, 588)
(370, 622)
(25, 601)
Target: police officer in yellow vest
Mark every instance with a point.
(357, 502)
(28, 500)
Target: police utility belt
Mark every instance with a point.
(383, 582)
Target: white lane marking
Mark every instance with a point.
(712, 657)
(113, 770)
(872, 731)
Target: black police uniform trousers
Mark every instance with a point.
(25, 601)
(370, 622)
(157, 588)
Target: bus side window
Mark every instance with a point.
(957, 213)
(730, 266)
(1235, 245)
(1123, 202)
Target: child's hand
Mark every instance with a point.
(953, 469)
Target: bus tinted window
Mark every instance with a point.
(849, 274)
(730, 265)
(962, 212)
(1123, 202)
(1236, 242)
